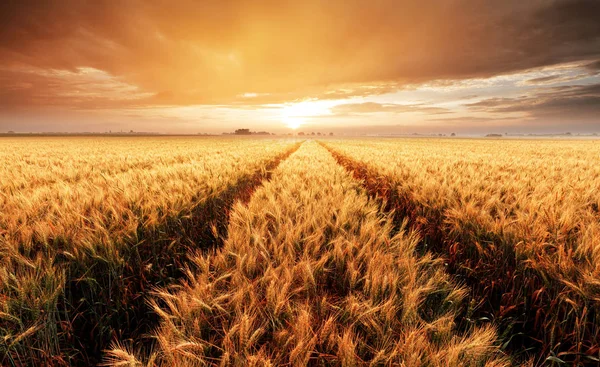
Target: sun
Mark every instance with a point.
(294, 115)
(292, 122)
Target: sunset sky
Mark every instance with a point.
(426, 66)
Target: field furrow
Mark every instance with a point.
(77, 264)
(311, 274)
(516, 221)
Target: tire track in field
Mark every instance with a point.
(154, 262)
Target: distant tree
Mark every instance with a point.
(568, 133)
(453, 134)
(330, 134)
(319, 134)
(242, 132)
(300, 133)
(313, 133)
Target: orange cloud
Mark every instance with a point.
(212, 52)
(371, 107)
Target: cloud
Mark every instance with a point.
(543, 80)
(373, 107)
(84, 88)
(564, 102)
(594, 67)
(211, 52)
(465, 120)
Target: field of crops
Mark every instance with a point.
(89, 226)
(175, 251)
(518, 222)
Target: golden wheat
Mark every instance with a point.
(311, 274)
(519, 218)
(101, 237)
(79, 213)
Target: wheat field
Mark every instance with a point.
(90, 226)
(517, 220)
(188, 251)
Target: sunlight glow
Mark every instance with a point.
(292, 122)
(294, 115)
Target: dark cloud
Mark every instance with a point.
(570, 102)
(205, 52)
(594, 66)
(543, 79)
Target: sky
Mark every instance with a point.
(372, 67)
